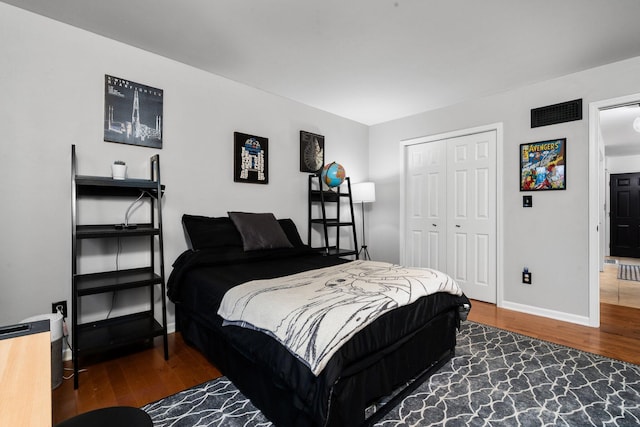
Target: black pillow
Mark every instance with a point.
(207, 232)
(290, 229)
(259, 231)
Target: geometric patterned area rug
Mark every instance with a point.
(496, 378)
(629, 272)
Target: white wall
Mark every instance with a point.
(52, 96)
(552, 237)
(51, 81)
(622, 164)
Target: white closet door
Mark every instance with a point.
(471, 214)
(425, 205)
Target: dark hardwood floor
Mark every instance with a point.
(133, 380)
(618, 336)
(144, 377)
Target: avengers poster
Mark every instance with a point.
(543, 165)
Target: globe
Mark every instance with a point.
(333, 174)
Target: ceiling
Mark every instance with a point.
(369, 60)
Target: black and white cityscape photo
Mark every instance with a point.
(133, 113)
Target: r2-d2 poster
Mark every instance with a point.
(250, 159)
(542, 165)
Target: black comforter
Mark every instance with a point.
(201, 278)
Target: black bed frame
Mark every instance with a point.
(405, 391)
(399, 371)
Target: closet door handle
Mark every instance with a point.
(434, 225)
(457, 226)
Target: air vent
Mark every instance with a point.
(557, 113)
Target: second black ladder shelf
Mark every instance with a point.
(330, 221)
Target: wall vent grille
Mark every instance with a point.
(557, 113)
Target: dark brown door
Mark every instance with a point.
(625, 215)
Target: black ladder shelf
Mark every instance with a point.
(140, 326)
(331, 225)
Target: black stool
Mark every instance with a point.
(115, 416)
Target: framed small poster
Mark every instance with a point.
(251, 158)
(132, 113)
(311, 152)
(543, 165)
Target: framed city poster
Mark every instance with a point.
(132, 113)
(251, 158)
(311, 152)
(543, 165)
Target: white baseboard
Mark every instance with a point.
(552, 314)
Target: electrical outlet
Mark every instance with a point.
(55, 305)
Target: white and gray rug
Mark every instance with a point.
(629, 272)
(497, 378)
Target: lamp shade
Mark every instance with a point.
(363, 192)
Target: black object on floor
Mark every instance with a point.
(115, 416)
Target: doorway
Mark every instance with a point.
(603, 269)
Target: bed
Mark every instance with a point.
(396, 350)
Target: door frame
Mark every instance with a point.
(596, 215)
(498, 128)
